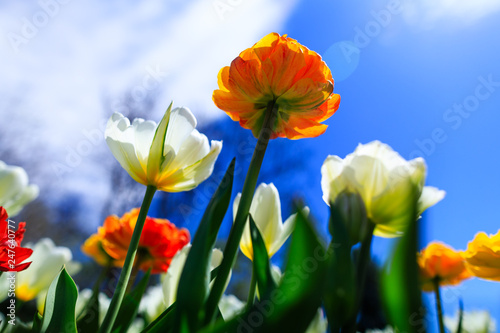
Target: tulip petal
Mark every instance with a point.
(189, 177)
(429, 197)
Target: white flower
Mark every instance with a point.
(472, 322)
(172, 156)
(152, 303)
(230, 306)
(170, 280)
(47, 263)
(266, 212)
(387, 183)
(15, 192)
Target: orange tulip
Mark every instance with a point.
(482, 256)
(159, 242)
(278, 71)
(439, 261)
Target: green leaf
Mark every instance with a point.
(261, 267)
(156, 151)
(89, 320)
(59, 313)
(340, 289)
(400, 283)
(195, 277)
(37, 323)
(130, 306)
(164, 323)
(293, 304)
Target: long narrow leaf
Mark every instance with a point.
(130, 306)
(261, 266)
(294, 303)
(195, 277)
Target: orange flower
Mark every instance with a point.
(93, 248)
(439, 261)
(278, 71)
(159, 242)
(482, 256)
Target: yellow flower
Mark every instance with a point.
(482, 257)
(385, 181)
(266, 212)
(172, 156)
(439, 261)
(278, 71)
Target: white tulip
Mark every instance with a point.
(472, 322)
(15, 192)
(48, 260)
(172, 156)
(266, 212)
(170, 280)
(387, 183)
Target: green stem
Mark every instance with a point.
(116, 301)
(361, 270)
(439, 306)
(247, 193)
(251, 291)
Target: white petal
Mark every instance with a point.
(330, 170)
(120, 137)
(370, 177)
(170, 280)
(144, 132)
(191, 176)
(286, 231)
(266, 212)
(429, 197)
(193, 149)
(29, 194)
(13, 181)
(182, 122)
(382, 152)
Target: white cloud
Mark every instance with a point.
(61, 57)
(427, 13)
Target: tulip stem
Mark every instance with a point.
(251, 291)
(240, 220)
(439, 306)
(361, 270)
(119, 293)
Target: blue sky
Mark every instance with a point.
(402, 83)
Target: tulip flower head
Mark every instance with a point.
(278, 72)
(93, 248)
(48, 259)
(440, 262)
(266, 212)
(170, 280)
(171, 156)
(12, 254)
(159, 242)
(387, 183)
(15, 192)
(482, 256)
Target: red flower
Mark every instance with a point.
(159, 242)
(12, 254)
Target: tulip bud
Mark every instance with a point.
(351, 209)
